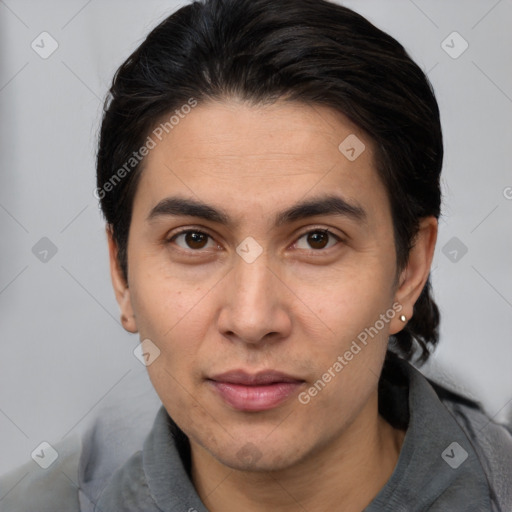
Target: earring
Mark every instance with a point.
(403, 318)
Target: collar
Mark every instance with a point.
(438, 468)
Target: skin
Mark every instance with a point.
(295, 309)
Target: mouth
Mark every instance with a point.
(254, 392)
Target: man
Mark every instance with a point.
(269, 174)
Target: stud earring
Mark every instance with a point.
(403, 318)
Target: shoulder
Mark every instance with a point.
(31, 487)
(87, 460)
(491, 441)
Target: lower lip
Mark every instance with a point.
(255, 398)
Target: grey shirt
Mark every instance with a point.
(454, 458)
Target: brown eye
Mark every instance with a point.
(191, 240)
(317, 239)
(196, 240)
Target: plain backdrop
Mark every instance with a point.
(64, 352)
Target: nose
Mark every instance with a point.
(254, 304)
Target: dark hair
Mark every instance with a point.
(310, 51)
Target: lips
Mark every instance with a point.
(254, 392)
(246, 379)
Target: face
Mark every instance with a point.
(260, 257)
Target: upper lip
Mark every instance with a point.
(260, 378)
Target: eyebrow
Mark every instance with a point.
(326, 205)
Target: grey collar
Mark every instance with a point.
(438, 469)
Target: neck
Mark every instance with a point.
(346, 474)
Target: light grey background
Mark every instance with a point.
(64, 352)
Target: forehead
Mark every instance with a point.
(256, 158)
(279, 131)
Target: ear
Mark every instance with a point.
(414, 276)
(120, 286)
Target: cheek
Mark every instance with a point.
(339, 303)
(343, 387)
(176, 321)
(164, 304)
(179, 398)
(355, 312)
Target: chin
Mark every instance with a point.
(258, 456)
(265, 464)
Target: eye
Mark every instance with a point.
(317, 239)
(192, 239)
(195, 240)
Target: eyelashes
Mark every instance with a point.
(325, 233)
(195, 240)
